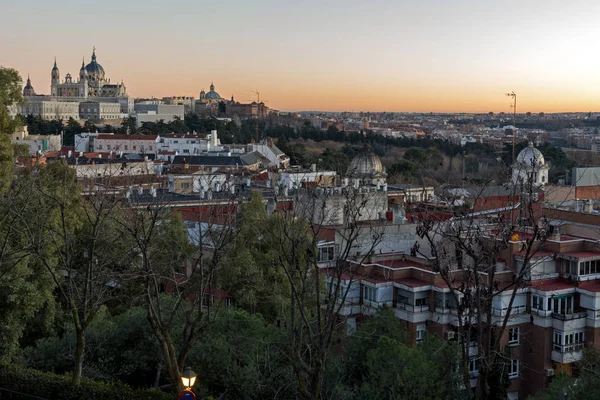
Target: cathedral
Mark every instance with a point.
(89, 96)
(92, 82)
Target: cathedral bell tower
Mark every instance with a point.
(55, 79)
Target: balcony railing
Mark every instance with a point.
(411, 308)
(571, 316)
(541, 313)
(568, 348)
(514, 310)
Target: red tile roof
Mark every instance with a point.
(592, 286)
(553, 284)
(412, 282)
(581, 254)
(402, 264)
(127, 137)
(535, 254)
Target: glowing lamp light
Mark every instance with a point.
(188, 378)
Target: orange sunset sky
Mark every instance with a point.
(427, 55)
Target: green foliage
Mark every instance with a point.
(7, 162)
(10, 94)
(383, 323)
(335, 161)
(396, 371)
(20, 150)
(51, 386)
(119, 348)
(381, 363)
(254, 276)
(25, 287)
(238, 357)
(585, 386)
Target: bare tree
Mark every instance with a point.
(176, 267)
(473, 253)
(320, 285)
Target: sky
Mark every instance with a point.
(330, 55)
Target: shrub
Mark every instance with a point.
(52, 386)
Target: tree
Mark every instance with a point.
(380, 363)
(86, 255)
(239, 357)
(25, 288)
(395, 370)
(253, 276)
(465, 252)
(10, 96)
(167, 263)
(120, 347)
(318, 292)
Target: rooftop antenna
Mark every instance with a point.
(514, 107)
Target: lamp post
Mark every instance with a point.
(188, 378)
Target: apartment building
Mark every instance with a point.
(552, 318)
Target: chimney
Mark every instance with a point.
(313, 167)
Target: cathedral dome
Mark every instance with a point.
(530, 156)
(212, 95)
(28, 89)
(365, 164)
(95, 70)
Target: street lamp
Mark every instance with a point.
(188, 378)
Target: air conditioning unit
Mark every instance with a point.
(550, 372)
(450, 335)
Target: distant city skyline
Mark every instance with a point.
(429, 56)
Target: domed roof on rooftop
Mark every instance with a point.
(530, 156)
(365, 163)
(95, 69)
(212, 94)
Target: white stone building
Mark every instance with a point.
(96, 111)
(37, 143)
(127, 144)
(190, 143)
(49, 109)
(530, 166)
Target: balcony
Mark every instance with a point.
(569, 322)
(541, 313)
(501, 312)
(413, 309)
(567, 353)
(568, 317)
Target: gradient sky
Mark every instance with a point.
(375, 55)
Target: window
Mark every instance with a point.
(567, 342)
(537, 302)
(562, 304)
(514, 369)
(186, 151)
(99, 147)
(421, 302)
(514, 335)
(326, 253)
(126, 147)
(134, 147)
(420, 333)
(370, 293)
(185, 185)
(473, 368)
